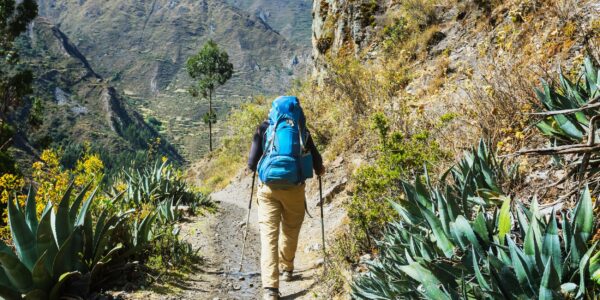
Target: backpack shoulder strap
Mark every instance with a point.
(270, 140)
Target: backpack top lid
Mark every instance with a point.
(285, 106)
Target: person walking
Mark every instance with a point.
(284, 154)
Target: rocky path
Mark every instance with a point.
(219, 237)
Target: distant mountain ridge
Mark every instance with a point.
(292, 19)
(143, 45)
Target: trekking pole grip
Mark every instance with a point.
(252, 189)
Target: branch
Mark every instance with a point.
(570, 149)
(590, 104)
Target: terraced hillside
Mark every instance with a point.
(79, 106)
(292, 19)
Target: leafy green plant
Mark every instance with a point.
(368, 209)
(65, 252)
(577, 102)
(169, 251)
(395, 33)
(450, 245)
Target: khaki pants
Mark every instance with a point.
(275, 207)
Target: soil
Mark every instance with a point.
(219, 239)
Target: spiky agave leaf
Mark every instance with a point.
(595, 268)
(22, 236)
(16, 272)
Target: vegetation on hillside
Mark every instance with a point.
(99, 227)
(473, 238)
(15, 77)
(467, 238)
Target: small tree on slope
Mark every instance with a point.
(211, 68)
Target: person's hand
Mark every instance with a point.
(247, 171)
(320, 171)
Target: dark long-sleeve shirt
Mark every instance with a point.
(256, 151)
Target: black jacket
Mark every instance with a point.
(256, 151)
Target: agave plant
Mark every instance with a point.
(450, 246)
(168, 211)
(62, 252)
(156, 184)
(480, 175)
(570, 127)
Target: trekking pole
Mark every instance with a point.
(247, 221)
(322, 222)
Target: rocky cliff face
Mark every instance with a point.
(467, 37)
(342, 26)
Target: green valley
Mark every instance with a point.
(141, 48)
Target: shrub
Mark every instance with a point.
(368, 10)
(487, 5)
(369, 210)
(324, 43)
(395, 33)
(421, 13)
(51, 180)
(157, 183)
(501, 104)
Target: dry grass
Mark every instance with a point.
(217, 169)
(337, 111)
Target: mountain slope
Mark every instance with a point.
(142, 46)
(290, 18)
(80, 107)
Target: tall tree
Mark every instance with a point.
(211, 68)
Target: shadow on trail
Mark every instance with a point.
(300, 293)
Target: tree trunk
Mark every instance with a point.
(210, 120)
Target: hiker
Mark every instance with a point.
(285, 156)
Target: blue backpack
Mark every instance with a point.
(286, 161)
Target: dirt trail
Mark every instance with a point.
(219, 237)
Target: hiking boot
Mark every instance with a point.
(270, 294)
(288, 276)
